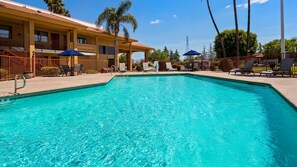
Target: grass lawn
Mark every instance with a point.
(259, 69)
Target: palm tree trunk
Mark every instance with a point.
(248, 29)
(237, 35)
(116, 45)
(216, 27)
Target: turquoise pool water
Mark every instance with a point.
(151, 121)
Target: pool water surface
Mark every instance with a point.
(177, 120)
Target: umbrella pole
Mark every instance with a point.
(72, 66)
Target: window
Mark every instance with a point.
(106, 50)
(5, 32)
(41, 36)
(81, 40)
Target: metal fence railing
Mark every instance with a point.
(12, 65)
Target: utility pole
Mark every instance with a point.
(283, 49)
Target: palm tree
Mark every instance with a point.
(237, 34)
(248, 27)
(57, 6)
(216, 27)
(114, 18)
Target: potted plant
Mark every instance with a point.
(28, 75)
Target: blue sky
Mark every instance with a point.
(168, 22)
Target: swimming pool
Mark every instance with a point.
(178, 120)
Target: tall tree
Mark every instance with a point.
(272, 49)
(58, 7)
(166, 50)
(114, 18)
(204, 53)
(171, 55)
(229, 41)
(158, 55)
(216, 27)
(176, 55)
(211, 52)
(248, 27)
(236, 33)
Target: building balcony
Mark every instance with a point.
(85, 47)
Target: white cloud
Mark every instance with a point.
(245, 5)
(240, 5)
(155, 21)
(175, 16)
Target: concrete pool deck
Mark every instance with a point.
(287, 86)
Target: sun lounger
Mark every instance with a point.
(169, 67)
(122, 67)
(146, 67)
(248, 68)
(285, 68)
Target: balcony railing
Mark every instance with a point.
(85, 47)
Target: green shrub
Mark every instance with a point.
(50, 71)
(139, 68)
(174, 66)
(212, 68)
(226, 65)
(91, 71)
(3, 73)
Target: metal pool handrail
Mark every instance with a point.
(16, 84)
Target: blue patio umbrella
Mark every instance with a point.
(192, 53)
(71, 52)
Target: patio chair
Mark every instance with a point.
(169, 67)
(64, 69)
(248, 68)
(196, 66)
(146, 67)
(188, 67)
(123, 67)
(78, 68)
(285, 68)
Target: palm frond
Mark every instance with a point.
(126, 33)
(124, 7)
(104, 16)
(128, 18)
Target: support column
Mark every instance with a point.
(32, 46)
(75, 45)
(26, 36)
(146, 55)
(68, 40)
(68, 59)
(130, 57)
(127, 60)
(97, 54)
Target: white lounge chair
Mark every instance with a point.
(122, 67)
(146, 67)
(169, 67)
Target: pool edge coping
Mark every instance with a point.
(253, 83)
(24, 95)
(44, 92)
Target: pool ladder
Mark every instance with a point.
(16, 88)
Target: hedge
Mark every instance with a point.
(50, 71)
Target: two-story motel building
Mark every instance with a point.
(39, 32)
